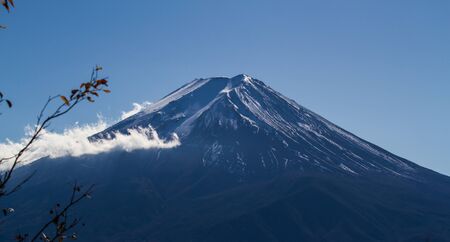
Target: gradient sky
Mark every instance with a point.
(380, 69)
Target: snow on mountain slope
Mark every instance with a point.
(245, 126)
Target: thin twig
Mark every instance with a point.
(73, 201)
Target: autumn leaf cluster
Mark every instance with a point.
(7, 4)
(7, 101)
(88, 90)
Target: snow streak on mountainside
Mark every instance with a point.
(245, 126)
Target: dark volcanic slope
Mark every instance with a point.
(253, 166)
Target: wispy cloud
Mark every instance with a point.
(74, 141)
(137, 107)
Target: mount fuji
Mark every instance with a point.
(253, 165)
(246, 127)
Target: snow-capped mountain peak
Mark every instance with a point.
(243, 125)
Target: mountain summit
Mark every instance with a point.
(243, 125)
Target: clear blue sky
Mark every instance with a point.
(380, 69)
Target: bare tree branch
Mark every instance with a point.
(20, 184)
(87, 91)
(61, 227)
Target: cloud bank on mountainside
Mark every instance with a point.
(74, 141)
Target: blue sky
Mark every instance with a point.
(380, 69)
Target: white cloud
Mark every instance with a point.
(74, 141)
(137, 107)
